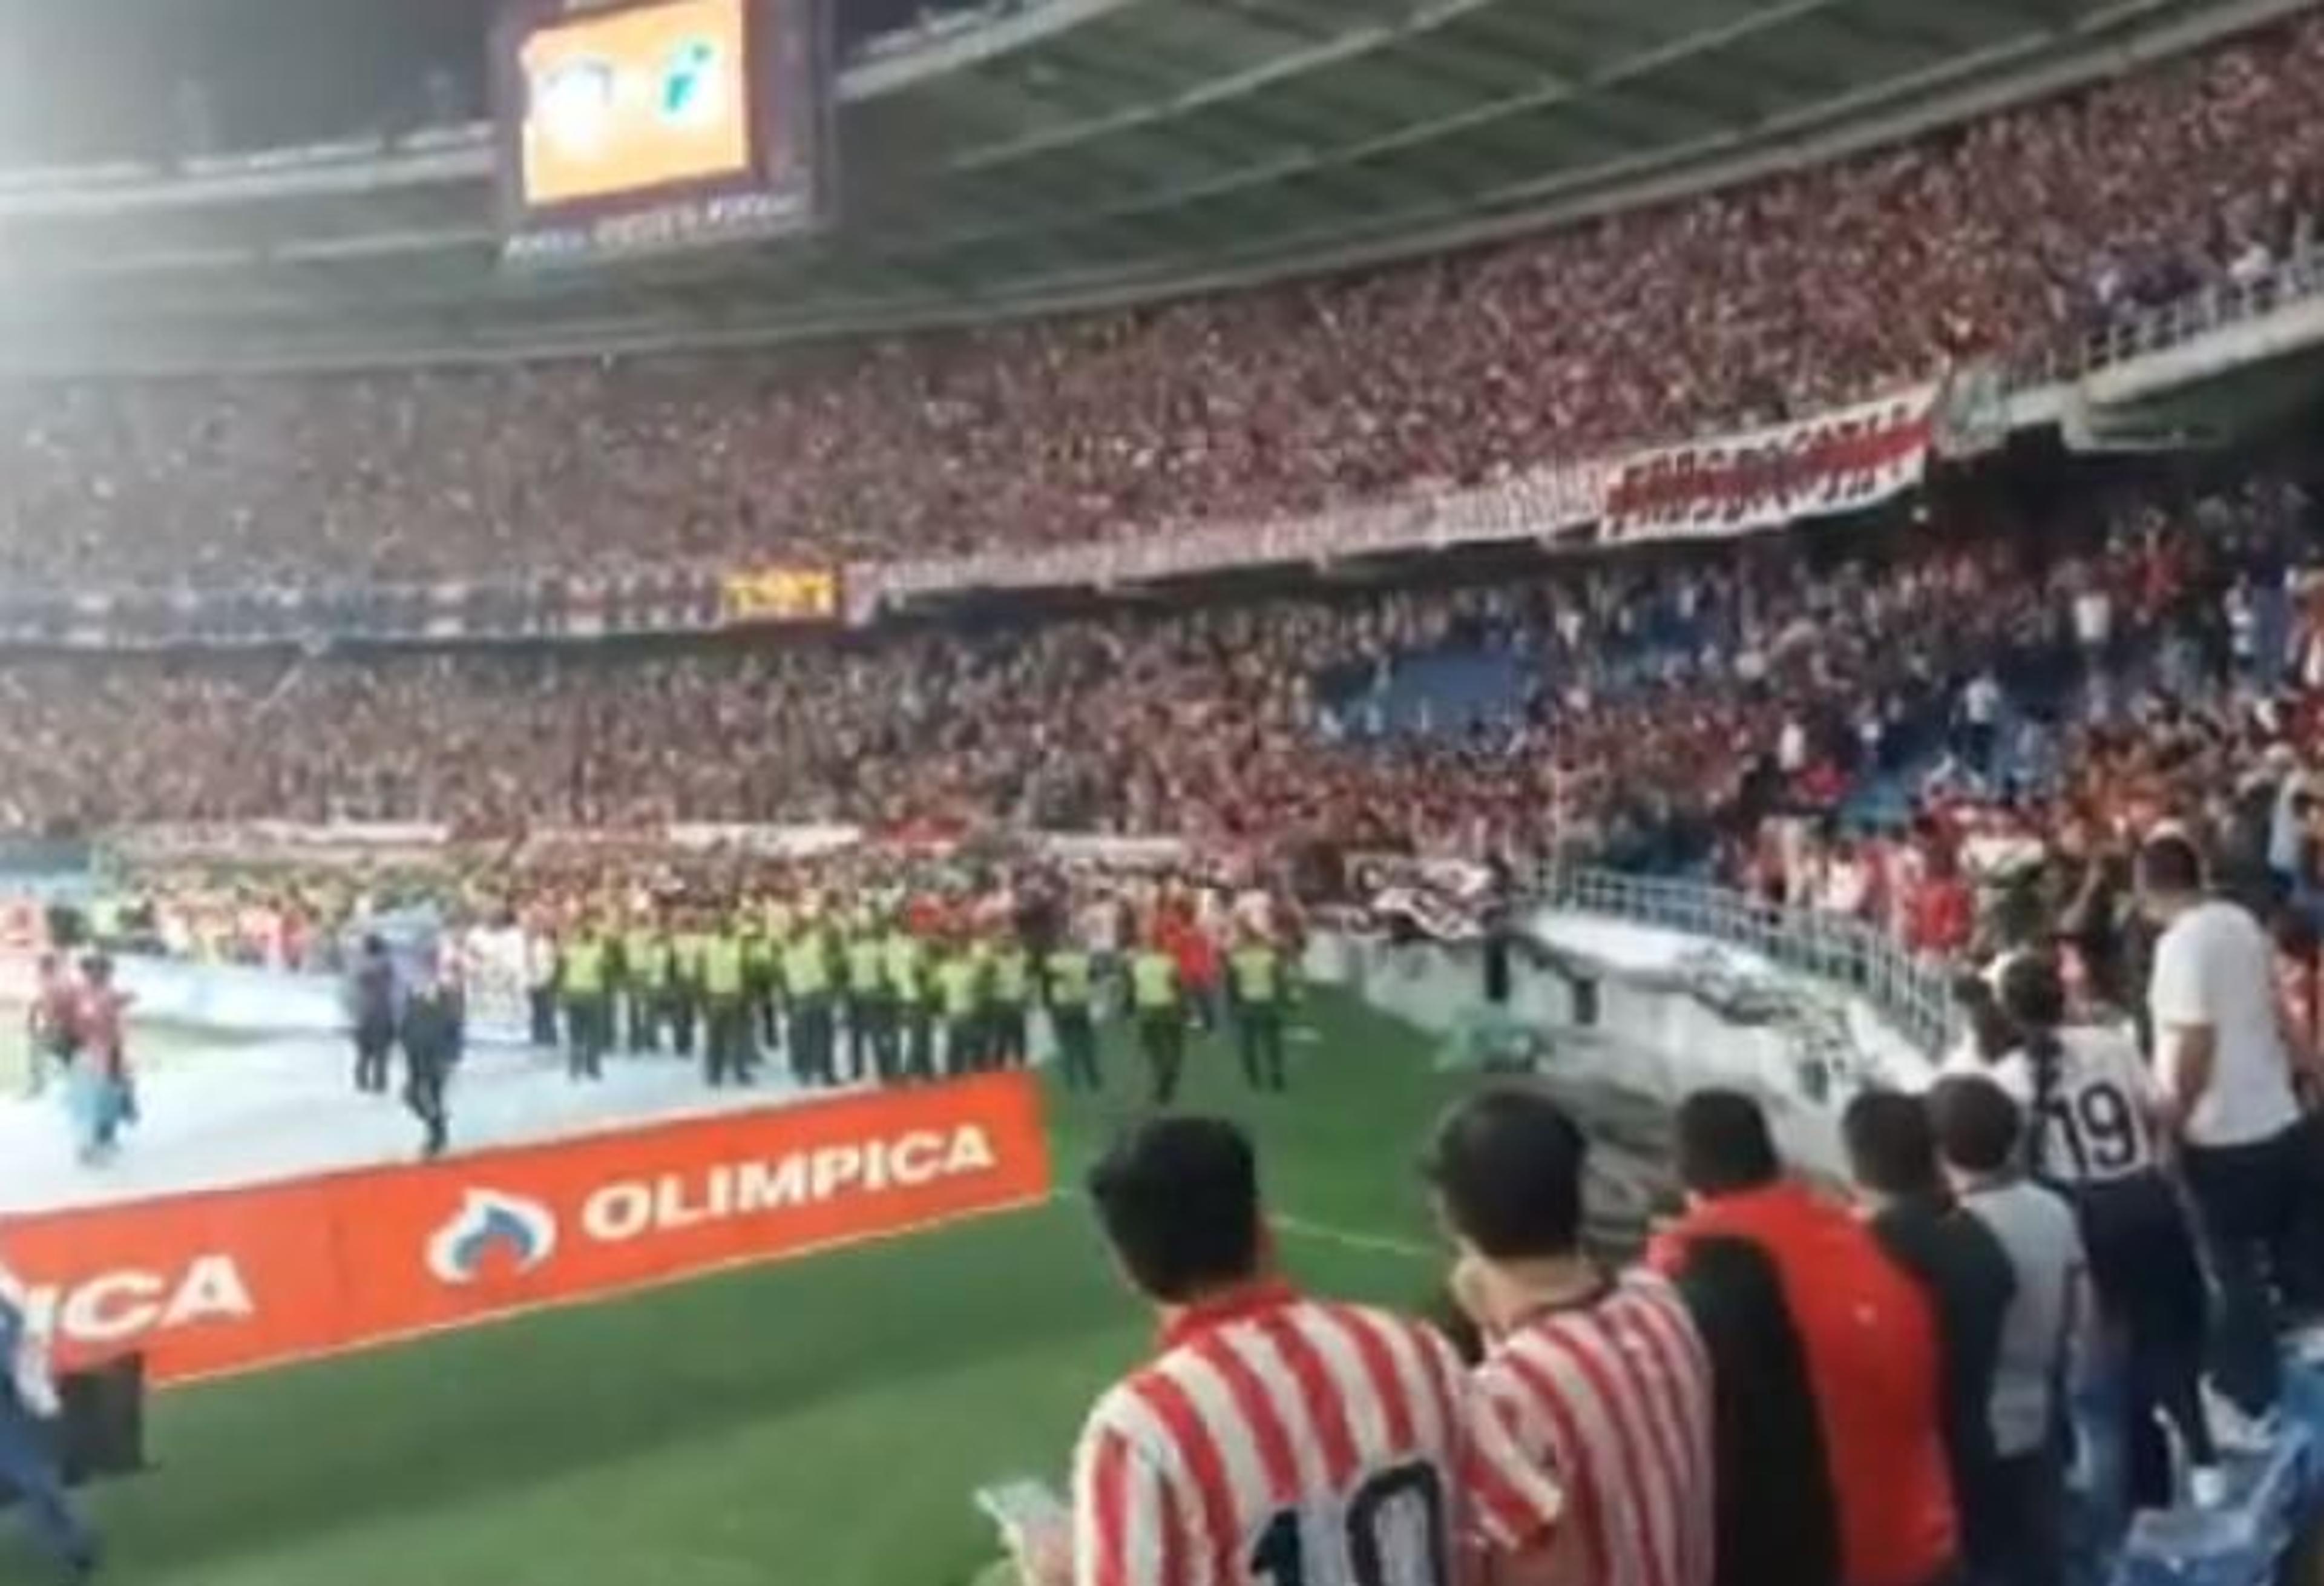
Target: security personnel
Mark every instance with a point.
(726, 1009)
(1257, 990)
(913, 1029)
(1161, 1007)
(688, 950)
(871, 1008)
(807, 986)
(430, 1032)
(645, 976)
(762, 975)
(1067, 978)
(779, 923)
(960, 998)
(589, 1010)
(1012, 994)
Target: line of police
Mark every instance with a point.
(910, 1008)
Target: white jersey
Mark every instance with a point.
(2095, 1123)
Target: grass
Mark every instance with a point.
(821, 1422)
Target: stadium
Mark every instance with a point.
(793, 630)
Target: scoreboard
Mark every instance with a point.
(646, 126)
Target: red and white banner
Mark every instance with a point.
(1838, 462)
(1539, 503)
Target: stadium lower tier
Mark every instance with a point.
(1652, 706)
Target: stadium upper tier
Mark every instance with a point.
(2014, 234)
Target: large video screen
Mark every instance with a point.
(654, 125)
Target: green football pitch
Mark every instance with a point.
(821, 1423)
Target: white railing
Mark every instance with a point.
(2291, 279)
(1912, 994)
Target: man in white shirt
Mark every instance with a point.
(2225, 1063)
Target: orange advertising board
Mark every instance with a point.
(634, 98)
(235, 1280)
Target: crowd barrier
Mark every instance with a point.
(233, 1281)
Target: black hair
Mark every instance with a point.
(1724, 1145)
(2033, 996)
(1892, 1148)
(1506, 1163)
(1178, 1199)
(2169, 863)
(1978, 1126)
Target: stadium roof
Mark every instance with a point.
(1048, 154)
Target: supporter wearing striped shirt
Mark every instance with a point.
(1601, 1381)
(1274, 1440)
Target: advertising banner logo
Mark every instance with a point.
(239, 1279)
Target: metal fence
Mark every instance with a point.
(2293, 279)
(1912, 994)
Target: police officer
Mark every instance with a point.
(1012, 994)
(26, 1464)
(1067, 990)
(687, 949)
(806, 987)
(430, 1031)
(960, 999)
(1257, 989)
(778, 926)
(645, 976)
(1159, 1005)
(726, 1008)
(913, 1029)
(871, 1006)
(589, 1011)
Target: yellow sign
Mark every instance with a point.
(782, 594)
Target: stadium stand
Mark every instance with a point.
(1952, 716)
(2016, 236)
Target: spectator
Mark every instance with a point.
(1865, 1332)
(2226, 1095)
(1978, 1131)
(1157, 1501)
(2090, 1105)
(1965, 1275)
(1600, 1380)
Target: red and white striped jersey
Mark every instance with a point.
(1611, 1403)
(1289, 1442)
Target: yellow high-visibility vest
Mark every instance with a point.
(1069, 979)
(1258, 974)
(1154, 981)
(806, 971)
(584, 965)
(1012, 977)
(723, 967)
(902, 956)
(866, 965)
(956, 984)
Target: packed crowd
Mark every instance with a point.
(1665, 711)
(2016, 234)
(1975, 1373)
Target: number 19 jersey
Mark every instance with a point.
(2091, 1123)
(1279, 1440)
